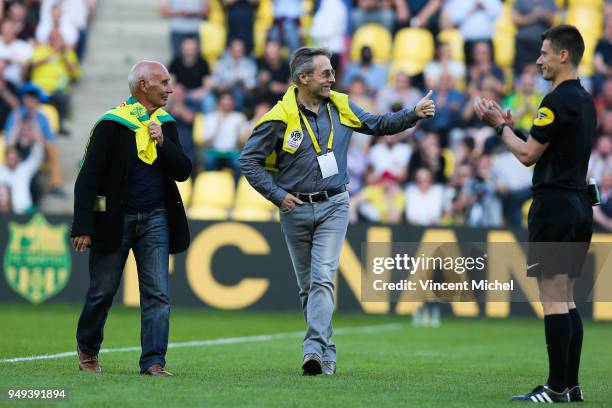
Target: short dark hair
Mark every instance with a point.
(302, 61)
(566, 37)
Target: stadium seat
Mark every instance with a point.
(449, 162)
(588, 20)
(504, 47)
(525, 212)
(408, 67)
(264, 17)
(216, 13)
(377, 38)
(185, 189)
(454, 38)
(198, 129)
(414, 46)
(213, 195)
(213, 38)
(595, 4)
(52, 115)
(250, 205)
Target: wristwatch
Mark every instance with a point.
(500, 128)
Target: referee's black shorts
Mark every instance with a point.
(560, 227)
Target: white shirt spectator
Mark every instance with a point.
(329, 26)
(69, 32)
(389, 95)
(288, 9)
(434, 69)
(19, 178)
(75, 12)
(224, 130)
(393, 159)
(424, 207)
(229, 71)
(510, 173)
(18, 52)
(475, 18)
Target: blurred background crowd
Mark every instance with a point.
(230, 62)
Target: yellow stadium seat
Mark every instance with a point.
(213, 195)
(407, 67)
(250, 205)
(198, 129)
(504, 47)
(505, 22)
(264, 17)
(185, 188)
(414, 46)
(454, 38)
(213, 38)
(596, 4)
(52, 116)
(377, 38)
(449, 162)
(216, 13)
(588, 21)
(525, 212)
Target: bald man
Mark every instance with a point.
(125, 197)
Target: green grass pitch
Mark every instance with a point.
(464, 363)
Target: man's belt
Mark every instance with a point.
(320, 195)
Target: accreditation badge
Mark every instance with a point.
(328, 164)
(294, 140)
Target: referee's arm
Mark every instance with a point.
(527, 150)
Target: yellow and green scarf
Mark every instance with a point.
(286, 111)
(134, 116)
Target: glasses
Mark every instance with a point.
(327, 73)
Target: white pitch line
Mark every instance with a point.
(218, 342)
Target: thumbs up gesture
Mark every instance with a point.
(426, 107)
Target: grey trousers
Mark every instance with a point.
(314, 234)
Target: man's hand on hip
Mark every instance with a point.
(81, 242)
(289, 202)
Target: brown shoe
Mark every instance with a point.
(158, 370)
(88, 362)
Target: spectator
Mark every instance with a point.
(464, 151)
(16, 52)
(601, 158)
(605, 127)
(374, 75)
(475, 19)
(603, 102)
(240, 21)
(357, 165)
(18, 13)
(191, 71)
(602, 214)
(372, 11)
(425, 201)
(236, 73)
(383, 201)
(286, 25)
(603, 58)
(449, 103)
(222, 132)
(400, 95)
(29, 110)
(261, 108)
(185, 18)
(67, 29)
(389, 154)
(532, 18)
(513, 182)
(358, 93)
(273, 76)
(483, 68)
(6, 205)
(17, 172)
(328, 29)
(479, 198)
(428, 155)
(444, 64)
(8, 96)
(524, 101)
(76, 13)
(54, 67)
(472, 125)
(463, 173)
(178, 107)
(418, 14)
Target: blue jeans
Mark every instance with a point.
(314, 234)
(146, 233)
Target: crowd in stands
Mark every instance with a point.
(41, 44)
(449, 170)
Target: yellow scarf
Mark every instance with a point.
(132, 114)
(286, 111)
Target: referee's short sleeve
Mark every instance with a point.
(548, 119)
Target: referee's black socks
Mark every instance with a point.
(575, 348)
(558, 331)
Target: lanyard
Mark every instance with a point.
(311, 134)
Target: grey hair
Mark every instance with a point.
(140, 70)
(302, 61)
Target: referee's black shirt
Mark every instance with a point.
(566, 119)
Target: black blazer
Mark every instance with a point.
(110, 150)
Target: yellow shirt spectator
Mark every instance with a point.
(54, 65)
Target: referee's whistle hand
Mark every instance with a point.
(426, 108)
(289, 202)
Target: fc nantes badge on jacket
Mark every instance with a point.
(37, 260)
(294, 140)
(545, 117)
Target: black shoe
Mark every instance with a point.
(575, 394)
(542, 393)
(312, 365)
(329, 367)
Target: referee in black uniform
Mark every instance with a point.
(559, 144)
